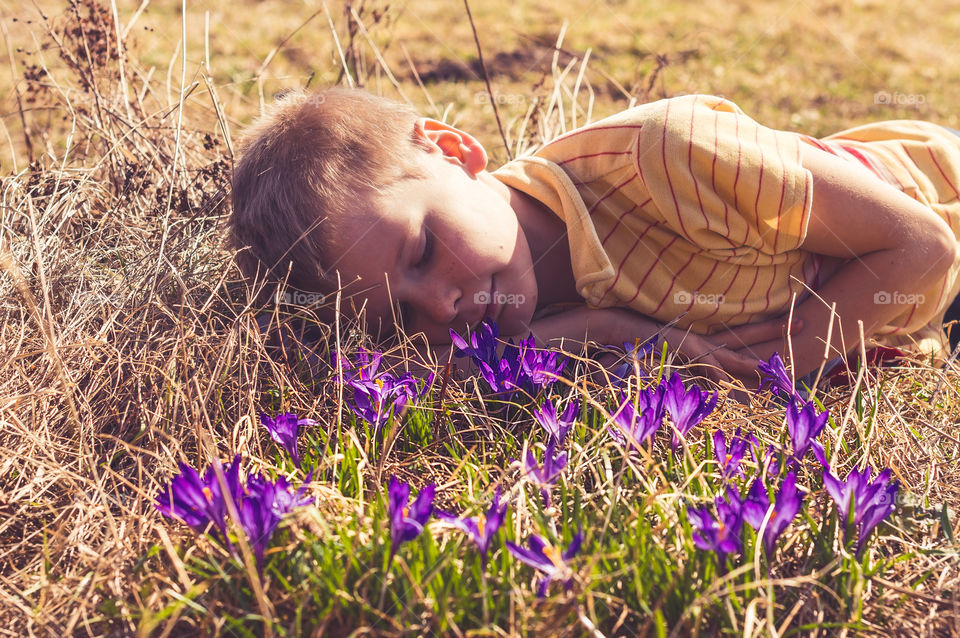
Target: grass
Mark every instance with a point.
(129, 344)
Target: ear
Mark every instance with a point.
(453, 143)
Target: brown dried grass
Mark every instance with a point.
(128, 344)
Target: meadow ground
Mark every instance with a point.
(128, 342)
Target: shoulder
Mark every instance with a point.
(632, 131)
(691, 118)
(655, 116)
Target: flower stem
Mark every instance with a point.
(483, 589)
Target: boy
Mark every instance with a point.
(682, 212)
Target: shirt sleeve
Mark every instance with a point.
(723, 181)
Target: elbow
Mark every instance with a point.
(938, 253)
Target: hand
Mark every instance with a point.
(731, 348)
(713, 359)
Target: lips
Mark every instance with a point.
(492, 307)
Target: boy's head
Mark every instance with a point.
(307, 162)
(343, 185)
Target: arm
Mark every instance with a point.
(895, 243)
(613, 326)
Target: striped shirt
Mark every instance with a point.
(688, 210)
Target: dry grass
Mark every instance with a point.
(128, 344)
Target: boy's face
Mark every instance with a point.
(447, 249)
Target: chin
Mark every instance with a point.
(515, 325)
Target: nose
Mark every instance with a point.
(439, 300)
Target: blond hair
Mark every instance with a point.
(309, 159)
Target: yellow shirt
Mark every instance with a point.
(686, 209)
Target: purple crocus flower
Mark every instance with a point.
(376, 402)
(630, 427)
(804, 425)
(729, 457)
(720, 533)
(198, 501)
(785, 508)
(871, 501)
(521, 367)
(284, 429)
(483, 527)
(635, 351)
(548, 559)
(557, 427)
(378, 395)
(546, 475)
(498, 371)
(407, 520)
(483, 343)
(775, 376)
(262, 508)
(687, 406)
(537, 367)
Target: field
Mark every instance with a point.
(129, 345)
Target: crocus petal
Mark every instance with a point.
(788, 503)
(543, 586)
(756, 505)
(880, 510)
(819, 453)
(838, 492)
(423, 504)
(574, 546)
(776, 377)
(534, 556)
(720, 447)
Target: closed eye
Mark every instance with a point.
(427, 253)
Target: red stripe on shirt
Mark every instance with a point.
(933, 158)
(666, 171)
(589, 155)
(756, 202)
(676, 275)
(624, 260)
(652, 268)
(696, 187)
(589, 129)
(713, 178)
(603, 242)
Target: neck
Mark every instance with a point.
(546, 236)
